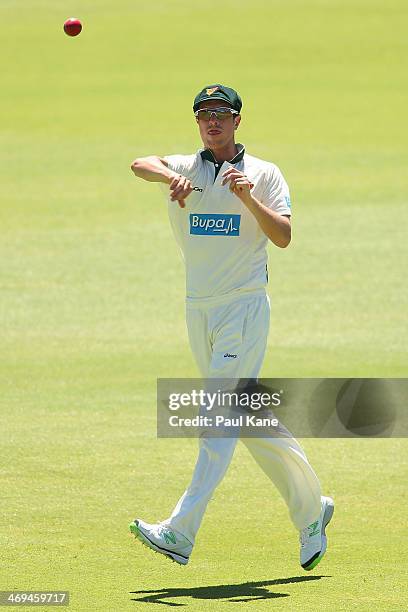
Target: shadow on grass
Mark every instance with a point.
(246, 591)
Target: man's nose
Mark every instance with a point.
(213, 118)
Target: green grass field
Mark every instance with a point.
(92, 293)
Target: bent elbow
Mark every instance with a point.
(134, 165)
(283, 241)
(287, 241)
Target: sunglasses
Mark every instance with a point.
(220, 113)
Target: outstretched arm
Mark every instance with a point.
(155, 170)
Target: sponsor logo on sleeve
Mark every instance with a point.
(214, 225)
(288, 202)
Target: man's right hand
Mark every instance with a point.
(156, 170)
(180, 188)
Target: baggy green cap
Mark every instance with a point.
(218, 92)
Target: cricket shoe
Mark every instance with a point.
(313, 541)
(162, 539)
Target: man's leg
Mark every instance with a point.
(212, 333)
(214, 457)
(281, 458)
(286, 465)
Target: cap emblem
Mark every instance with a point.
(211, 90)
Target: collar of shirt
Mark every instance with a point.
(209, 156)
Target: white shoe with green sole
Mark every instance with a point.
(313, 540)
(162, 539)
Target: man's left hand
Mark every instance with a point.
(239, 183)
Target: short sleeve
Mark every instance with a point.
(182, 164)
(276, 195)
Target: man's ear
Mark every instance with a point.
(237, 122)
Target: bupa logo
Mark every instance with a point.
(215, 225)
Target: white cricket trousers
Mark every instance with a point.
(239, 328)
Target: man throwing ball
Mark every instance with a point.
(224, 205)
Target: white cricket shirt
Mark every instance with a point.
(223, 247)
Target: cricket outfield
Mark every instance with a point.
(92, 293)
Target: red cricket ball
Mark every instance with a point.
(72, 26)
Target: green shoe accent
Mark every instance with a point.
(313, 529)
(133, 528)
(169, 537)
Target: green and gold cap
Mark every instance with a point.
(218, 92)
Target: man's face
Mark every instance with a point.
(215, 133)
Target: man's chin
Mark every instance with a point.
(215, 141)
